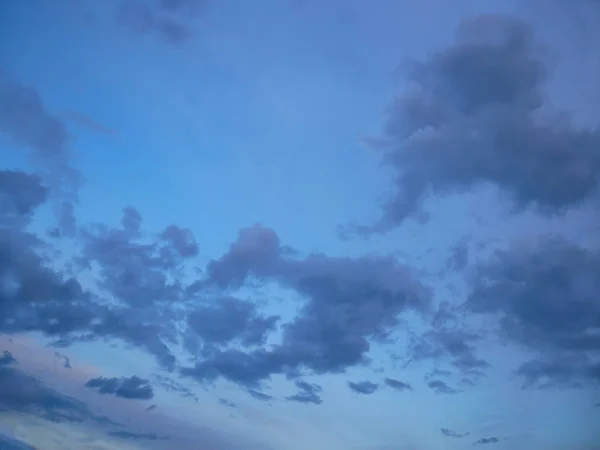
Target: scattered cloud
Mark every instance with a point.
(134, 387)
(398, 385)
(308, 393)
(453, 434)
(363, 387)
(440, 387)
(260, 395)
(488, 440)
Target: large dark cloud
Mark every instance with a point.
(349, 303)
(134, 387)
(477, 114)
(546, 296)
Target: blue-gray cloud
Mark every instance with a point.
(363, 387)
(7, 358)
(398, 385)
(143, 436)
(308, 393)
(546, 297)
(473, 118)
(258, 395)
(440, 387)
(487, 440)
(9, 443)
(26, 394)
(349, 301)
(131, 388)
(453, 434)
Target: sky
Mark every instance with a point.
(299, 224)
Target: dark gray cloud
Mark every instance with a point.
(308, 393)
(453, 434)
(258, 395)
(478, 115)
(363, 387)
(545, 295)
(349, 302)
(134, 387)
(26, 394)
(7, 358)
(487, 440)
(227, 320)
(440, 387)
(143, 436)
(398, 385)
(167, 19)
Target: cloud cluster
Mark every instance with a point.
(477, 115)
(131, 388)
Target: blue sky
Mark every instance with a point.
(299, 224)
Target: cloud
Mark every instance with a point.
(167, 19)
(131, 388)
(7, 358)
(363, 387)
(26, 120)
(488, 440)
(456, 344)
(398, 385)
(440, 387)
(308, 393)
(128, 435)
(64, 358)
(8, 443)
(545, 295)
(172, 385)
(260, 395)
(453, 434)
(26, 394)
(349, 302)
(477, 115)
(225, 320)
